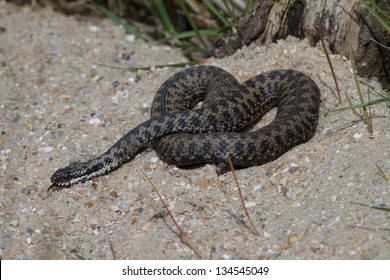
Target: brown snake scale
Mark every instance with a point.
(182, 136)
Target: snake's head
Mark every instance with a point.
(70, 175)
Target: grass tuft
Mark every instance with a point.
(207, 21)
(367, 117)
(119, 21)
(377, 12)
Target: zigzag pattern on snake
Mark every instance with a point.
(182, 135)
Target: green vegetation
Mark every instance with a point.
(205, 21)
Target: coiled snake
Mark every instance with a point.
(181, 135)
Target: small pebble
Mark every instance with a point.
(227, 257)
(146, 226)
(115, 84)
(273, 180)
(64, 97)
(154, 159)
(114, 208)
(284, 181)
(46, 149)
(195, 179)
(130, 38)
(5, 152)
(89, 204)
(357, 135)
(94, 121)
(250, 204)
(292, 239)
(93, 28)
(114, 194)
(266, 234)
(14, 223)
(210, 206)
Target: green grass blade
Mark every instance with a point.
(362, 105)
(377, 8)
(378, 13)
(193, 24)
(117, 20)
(373, 207)
(216, 12)
(248, 7)
(164, 16)
(367, 118)
(192, 33)
(230, 10)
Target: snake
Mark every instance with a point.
(183, 133)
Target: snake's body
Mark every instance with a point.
(182, 135)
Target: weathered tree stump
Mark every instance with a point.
(344, 23)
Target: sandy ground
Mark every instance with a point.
(58, 106)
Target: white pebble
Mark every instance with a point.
(94, 121)
(227, 257)
(114, 208)
(266, 234)
(64, 148)
(154, 159)
(250, 204)
(130, 38)
(357, 135)
(5, 152)
(93, 28)
(46, 149)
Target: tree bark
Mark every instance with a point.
(344, 23)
